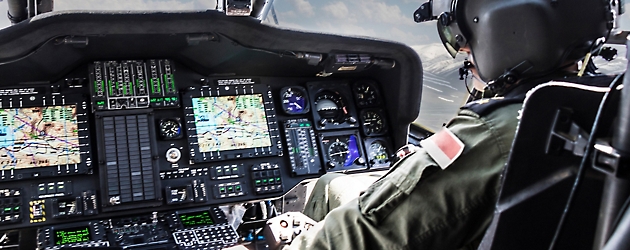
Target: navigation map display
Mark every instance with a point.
(39, 137)
(231, 122)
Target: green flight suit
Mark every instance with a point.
(417, 205)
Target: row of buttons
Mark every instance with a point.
(267, 178)
(224, 235)
(46, 189)
(231, 189)
(184, 173)
(227, 172)
(10, 206)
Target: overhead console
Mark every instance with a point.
(119, 143)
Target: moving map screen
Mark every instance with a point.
(231, 122)
(39, 137)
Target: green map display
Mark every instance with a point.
(231, 122)
(38, 137)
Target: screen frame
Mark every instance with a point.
(42, 97)
(194, 213)
(90, 236)
(257, 97)
(196, 156)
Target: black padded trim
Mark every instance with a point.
(517, 95)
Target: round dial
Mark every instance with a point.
(366, 94)
(170, 129)
(338, 152)
(294, 100)
(373, 123)
(330, 106)
(378, 153)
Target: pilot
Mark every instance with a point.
(442, 195)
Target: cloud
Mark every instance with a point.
(304, 7)
(407, 37)
(338, 10)
(166, 5)
(383, 12)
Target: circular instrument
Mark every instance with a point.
(373, 123)
(366, 94)
(330, 107)
(173, 155)
(338, 152)
(170, 128)
(294, 100)
(377, 153)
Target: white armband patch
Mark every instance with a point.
(444, 147)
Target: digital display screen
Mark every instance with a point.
(231, 122)
(39, 137)
(71, 235)
(195, 219)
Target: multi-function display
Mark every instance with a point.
(39, 137)
(231, 122)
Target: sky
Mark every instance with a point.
(392, 20)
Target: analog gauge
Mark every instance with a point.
(338, 152)
(330, 107)
(170, 128)
(294, 100)
(373, 122)
(343, 151)
(378, 153)
(366, 94)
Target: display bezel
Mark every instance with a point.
(323, 136)
(340, 88)
(42, 97)
(196, 213)
(196, 156)
(90, 236)
(367, 142)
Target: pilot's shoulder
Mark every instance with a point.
(485, 106)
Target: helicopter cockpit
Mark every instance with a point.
(193, 129)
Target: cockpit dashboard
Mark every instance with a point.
(129, 129)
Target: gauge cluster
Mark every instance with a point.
(346, 121)
(155, 134)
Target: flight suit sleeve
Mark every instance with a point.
(417, 205)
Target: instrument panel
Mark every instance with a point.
(117, 137)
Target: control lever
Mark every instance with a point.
(281, 230)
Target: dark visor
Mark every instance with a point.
(447, 26)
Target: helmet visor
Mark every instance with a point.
(449, 38)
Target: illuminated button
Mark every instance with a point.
(230, 189)
(264, 181)
(6, 210)
(16, 209)
(234, 170)
(237, 188)
(271, 181)
(219, 171)
(227, 171)
(258, 183)
(278, 180)
(61, 187)
(41, 189)
(51, 188)
(222, 190)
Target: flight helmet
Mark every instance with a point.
(516, 39)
